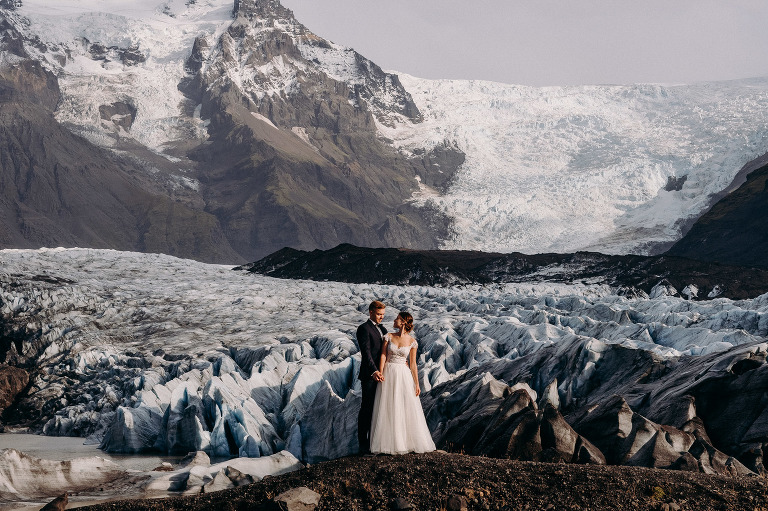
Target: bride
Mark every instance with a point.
(398, 424)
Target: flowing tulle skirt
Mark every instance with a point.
(398, 424)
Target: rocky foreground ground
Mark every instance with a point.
(443, 481)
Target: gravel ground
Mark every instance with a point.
(428, 481)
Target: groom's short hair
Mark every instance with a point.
(376, 305)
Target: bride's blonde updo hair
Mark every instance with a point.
(407, 321)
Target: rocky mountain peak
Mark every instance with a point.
(367, 82)
(264, 9)
(304, 112)
(237, 110)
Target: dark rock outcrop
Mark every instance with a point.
(122, 114)
(733, 231)
(13, 381)
(632, 274)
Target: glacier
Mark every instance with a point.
(146, 352)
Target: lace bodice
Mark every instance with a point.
(398, 355)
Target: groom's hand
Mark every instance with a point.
(378, 376)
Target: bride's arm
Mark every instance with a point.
(383, 357)
(414, 371)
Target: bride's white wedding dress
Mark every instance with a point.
(398, 424)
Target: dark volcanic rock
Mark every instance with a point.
(632, 274)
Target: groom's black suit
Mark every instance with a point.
(369, 340)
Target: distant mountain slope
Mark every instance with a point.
(306, 168)
(735, 230)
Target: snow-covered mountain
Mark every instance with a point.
(223, 141)
(239, 125)
(149, 352)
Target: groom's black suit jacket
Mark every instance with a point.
(369, 340)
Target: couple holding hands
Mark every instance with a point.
(391, 420)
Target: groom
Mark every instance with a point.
(370, 336)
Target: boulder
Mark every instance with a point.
(13, 381)
(298, 499)
(219, 482)
(57, 504)
(456, 503)
(399, 503)
(237, 477)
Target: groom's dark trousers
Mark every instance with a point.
(369, 340)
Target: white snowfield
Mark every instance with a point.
(180, 356)
(548, 169)
(161, 31)
(560, 169)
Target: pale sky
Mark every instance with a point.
(551, 42)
